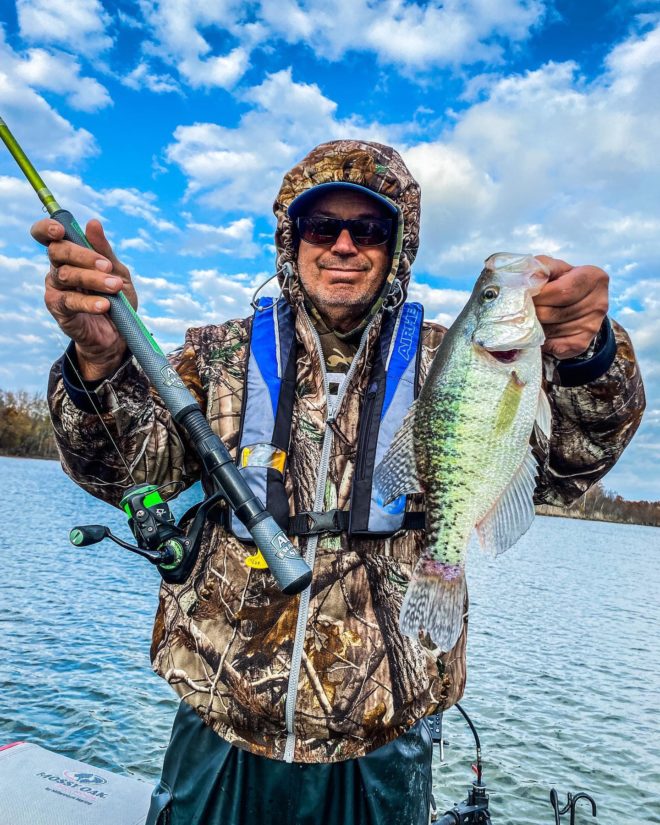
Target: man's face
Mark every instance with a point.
(343, 279)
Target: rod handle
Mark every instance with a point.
(72, 230)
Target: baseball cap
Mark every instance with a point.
(300, 204)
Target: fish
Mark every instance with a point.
(465, 441)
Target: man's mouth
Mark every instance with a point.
(338, 276)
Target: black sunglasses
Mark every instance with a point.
(324, 231)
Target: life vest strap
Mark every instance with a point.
(337, 521)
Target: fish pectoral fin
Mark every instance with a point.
(435, 603)
(543, 420)
(511, 515)
(396, 475)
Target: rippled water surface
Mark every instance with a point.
(563, 660)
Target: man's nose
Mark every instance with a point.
(344, 244)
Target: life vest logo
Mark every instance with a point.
(407, 332)
(171, 377)
(85, 778)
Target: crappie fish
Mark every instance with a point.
(465, 442)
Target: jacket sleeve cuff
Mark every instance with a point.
(574, 372)
(79, 391)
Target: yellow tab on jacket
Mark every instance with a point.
(257, 562)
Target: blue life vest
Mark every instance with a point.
(268, 410)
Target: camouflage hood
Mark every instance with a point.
(372, 165)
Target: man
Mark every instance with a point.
(310, 709)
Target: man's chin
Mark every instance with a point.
(345, 300)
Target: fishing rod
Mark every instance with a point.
(159, 540)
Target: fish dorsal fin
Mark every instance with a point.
(396, 475)
(511, 515)
(543, 415)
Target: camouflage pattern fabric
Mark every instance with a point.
(224, 639)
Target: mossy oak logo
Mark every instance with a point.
(85, 778)
(79, 785)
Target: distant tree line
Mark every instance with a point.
(25, 428)
(599, 504)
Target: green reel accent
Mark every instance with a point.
(177, 549)
(150, 496)
(76, 537)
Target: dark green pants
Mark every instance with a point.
(207, 781)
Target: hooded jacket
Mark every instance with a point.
(226, 639)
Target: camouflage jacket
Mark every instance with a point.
(224, 639)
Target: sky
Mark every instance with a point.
(531, 125)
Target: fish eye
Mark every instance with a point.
(489, 294)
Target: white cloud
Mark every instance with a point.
(60, 73)
(79, 24)
(142, 77)
(440, 305)
(208, 296)
(135, 203)
(549, 158)
(237, 239)
(416, 36)
(242, 167)
(638, 308)
(176, 27)
(21, 207)
(31, 118)
(141, 243)
(24, 318)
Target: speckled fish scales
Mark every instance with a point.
(465, 441)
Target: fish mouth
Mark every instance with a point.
(504, 356)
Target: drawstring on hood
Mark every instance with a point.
(373, 166)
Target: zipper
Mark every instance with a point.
(365, 429)
(310, 551)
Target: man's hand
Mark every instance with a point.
(74, 271)
(571, 306)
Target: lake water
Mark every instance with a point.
(564, 656)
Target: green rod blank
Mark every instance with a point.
(44, 193)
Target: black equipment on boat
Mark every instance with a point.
(570, 806)
(474, 809)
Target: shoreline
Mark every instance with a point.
(559, 512)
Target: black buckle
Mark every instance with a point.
(324, 522)
(311, 523)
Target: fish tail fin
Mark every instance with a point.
(435, 603)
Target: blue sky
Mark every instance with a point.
(531, 125)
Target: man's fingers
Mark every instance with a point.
(96, 236)
(568, 346)
(47, 230)
(586, 325)
(555, 266)
(63, 253)
(557, 314)
(70, 277)
(66, 304)
(571, 287)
